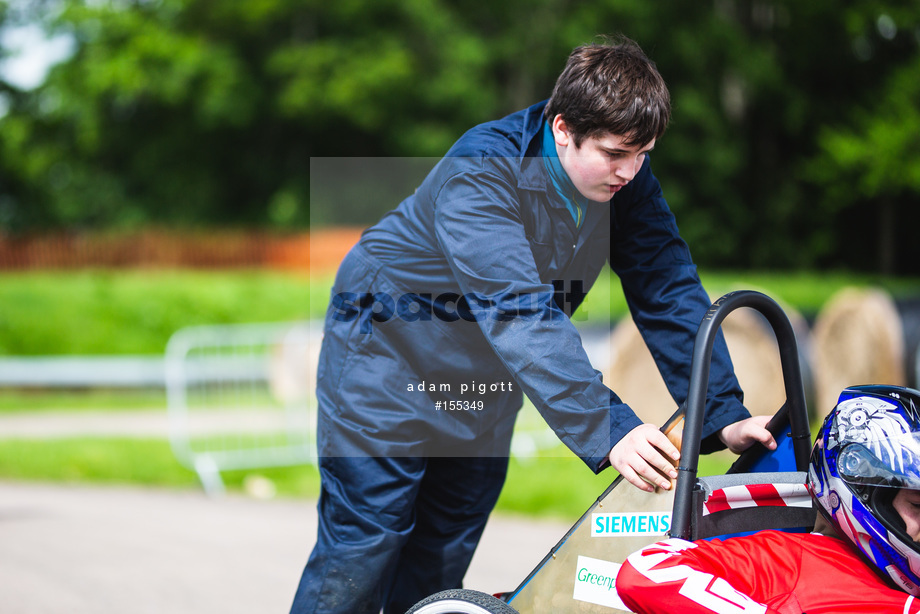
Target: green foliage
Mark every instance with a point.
(869, 157)
(794, 128)
(159, 115)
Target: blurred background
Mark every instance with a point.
(180, 178)
(155, 201)
(794, 141)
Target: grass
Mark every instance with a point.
(136, 311)
(556, 485)
(114, 399)
(146, 462)
(806, 292)
(562, 487)
(143, 462)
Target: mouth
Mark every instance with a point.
(614, 188)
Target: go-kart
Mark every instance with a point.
(761, 490)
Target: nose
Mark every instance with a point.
(627, 169)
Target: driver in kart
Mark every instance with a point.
(863, 555)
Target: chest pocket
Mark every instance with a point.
(543, 255)
(549, 235)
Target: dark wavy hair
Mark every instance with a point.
(611, 87)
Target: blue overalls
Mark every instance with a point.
(462, 295)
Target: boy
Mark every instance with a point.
(470, 283)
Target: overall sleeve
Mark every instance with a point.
(698, 578)
(480, 230)
(667, 300)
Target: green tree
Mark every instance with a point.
(794, 124)
(160, 115)
(868, 164)
(756, 85)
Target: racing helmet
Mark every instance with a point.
(866, 451)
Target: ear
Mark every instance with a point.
(561, 131)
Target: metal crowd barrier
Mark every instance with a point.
(242, 397)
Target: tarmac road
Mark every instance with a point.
(101, 550)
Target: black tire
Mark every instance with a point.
(461, 601)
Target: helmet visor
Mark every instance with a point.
(893, 461)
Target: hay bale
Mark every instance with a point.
(858, 339)
(634, 376)
(292, 365)
(909, 311)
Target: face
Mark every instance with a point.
(907, 504)
(600, 166)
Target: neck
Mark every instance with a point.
(563, 186)
(823, 527)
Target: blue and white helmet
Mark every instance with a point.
(867, 450)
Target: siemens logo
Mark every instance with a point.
(630, 524)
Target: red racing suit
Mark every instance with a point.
(770, 572)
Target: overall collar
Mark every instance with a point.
(533, 174)
(565, 189)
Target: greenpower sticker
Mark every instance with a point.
(595, 582)
(630, 524)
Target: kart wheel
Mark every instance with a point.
(461, 601)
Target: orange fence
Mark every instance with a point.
(318, 250)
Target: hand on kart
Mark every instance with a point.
(644, 458)
(741, 435)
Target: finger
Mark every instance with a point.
(766, 438)
(633, 478)
(664, 445)
(661, 477)
(661, 466)
(760, 433)
(657, 460)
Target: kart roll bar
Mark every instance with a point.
(793, 412)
